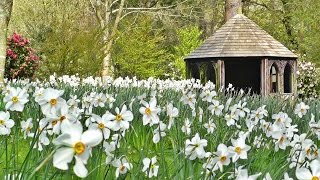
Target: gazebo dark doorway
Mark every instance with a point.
(243, 74)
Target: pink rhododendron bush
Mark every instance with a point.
(69, 127)
(21, 59)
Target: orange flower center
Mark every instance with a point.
(54, 122)
(53, 102)
(62, 118)
(79, 148)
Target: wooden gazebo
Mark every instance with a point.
(244, 55)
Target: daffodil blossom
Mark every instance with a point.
(5, 123)
(149, 167)
(121, 120)
(150, 112)
(301, 109)
(222, 157)
(122, 166)
(195, 148)
(51, 100)
(305, 174)
(26, 127)
(16, 99)
(100, 124)
(74, 143)
(239, 148)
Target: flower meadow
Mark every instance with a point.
(72, 128)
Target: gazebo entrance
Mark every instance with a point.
(243, 74)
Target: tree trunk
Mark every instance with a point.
(109, 37)
(232, 8)
(5, 14)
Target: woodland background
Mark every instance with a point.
(146, 38)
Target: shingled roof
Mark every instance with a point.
(241, 37)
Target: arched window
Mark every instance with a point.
(287, 79)
(211, 73)
(274, 79)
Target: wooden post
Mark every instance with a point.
(294, 78)
(188, 70)
(221, 74)
(264, 83)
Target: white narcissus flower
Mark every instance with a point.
(51, 100)
(223, 157)
(159, 132)
(38, 94)
(5, 123)
(149, 167)
(110, 100)
(195, 148)
(122, 166)
(100, 124)
(210, 126)
(172, 112)
(267, 177)
(286, 177)
(305, 174)
(150, 112)
(26, 127)
(301, 109)
(239, 148)
(216, 108)
(243, 175)
(74, 143)
(16, 99)
(57, 119)
(186, 126)
(99, 100)
(121, 120)
(109, 148)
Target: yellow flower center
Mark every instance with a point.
(15, 99)
(223, 158)
(237, 150)
(315, 178)
(53, 102)
(118, 117)
(148, 111)
(1, 122)
(79, 147)
(101, 126)
(152, 166)
(28, 129)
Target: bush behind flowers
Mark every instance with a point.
(21, 60)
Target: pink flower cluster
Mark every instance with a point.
(21, 61)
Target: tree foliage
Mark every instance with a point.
(189, 39)
(139, 52)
